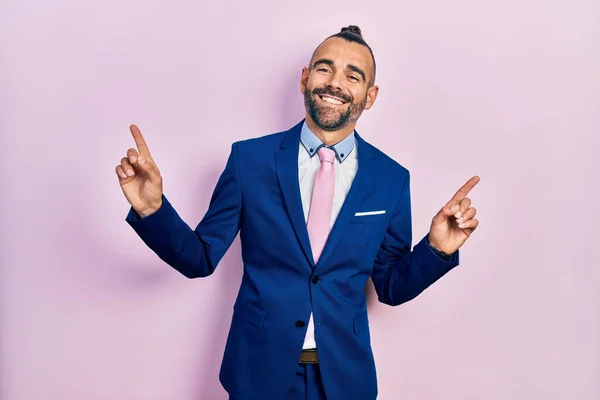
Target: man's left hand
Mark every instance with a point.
(454, 223)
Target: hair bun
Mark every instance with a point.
(353, 29)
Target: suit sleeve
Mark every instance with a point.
(195, 253)
(399, 274)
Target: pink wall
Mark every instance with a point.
(506, 90)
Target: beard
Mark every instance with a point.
(332, 118)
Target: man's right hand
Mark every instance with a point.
(140, 178)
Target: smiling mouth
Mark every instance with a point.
(332, 100)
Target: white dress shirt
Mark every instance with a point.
(345, 166)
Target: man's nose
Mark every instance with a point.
(335, 82)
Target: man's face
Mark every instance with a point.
(336, 87)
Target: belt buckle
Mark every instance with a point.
(309, 356)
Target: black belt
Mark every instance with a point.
(309, 356)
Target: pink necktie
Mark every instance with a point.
(319, 215)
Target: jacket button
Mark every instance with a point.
(315, 279)
(300, 324)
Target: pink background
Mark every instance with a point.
(507, 90)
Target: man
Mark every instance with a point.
(319, 211)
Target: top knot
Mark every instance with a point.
(353, 29)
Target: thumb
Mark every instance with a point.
(447, 211)
(150, 169)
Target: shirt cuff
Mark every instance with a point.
(440, 254)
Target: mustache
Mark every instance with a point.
(328, 91)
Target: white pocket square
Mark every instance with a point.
(365, 213)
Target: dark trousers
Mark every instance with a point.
(307, 384)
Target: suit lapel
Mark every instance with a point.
(358, 190)
(286, 161)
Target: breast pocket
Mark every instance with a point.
(365, 217)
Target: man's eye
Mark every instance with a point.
(323, 70)
(354, 78)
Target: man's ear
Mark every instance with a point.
(371, 96)
(304, 79)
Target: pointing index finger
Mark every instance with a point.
(465, 189)
(139, 140)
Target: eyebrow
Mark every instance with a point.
(350, 67)
(358, 71)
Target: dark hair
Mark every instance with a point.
(352, 30)
(353, 34)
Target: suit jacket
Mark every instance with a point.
(258, 195)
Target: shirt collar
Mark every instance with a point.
(312, 144)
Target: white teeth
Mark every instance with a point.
(330, 100)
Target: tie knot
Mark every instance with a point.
(326, 155)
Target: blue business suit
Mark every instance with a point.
(258, 195)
